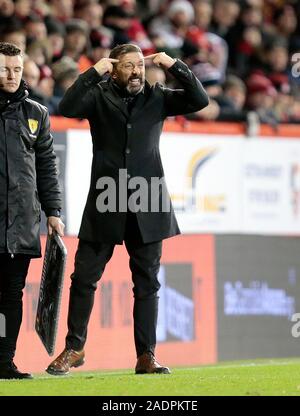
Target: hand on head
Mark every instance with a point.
(161, 58)
(105, 65)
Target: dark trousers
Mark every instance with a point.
(90, 262)
(13, 272)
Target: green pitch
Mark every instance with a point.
(279, 377)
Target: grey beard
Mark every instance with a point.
(134, 92)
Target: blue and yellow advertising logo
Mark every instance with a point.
(190, 199)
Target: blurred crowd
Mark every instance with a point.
(245, 52)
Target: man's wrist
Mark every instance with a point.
(53, 212)
(174, 62)
(90, 77)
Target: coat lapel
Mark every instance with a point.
(114, 98)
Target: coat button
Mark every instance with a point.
(129, 126)
(127, 151)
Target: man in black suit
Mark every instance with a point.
(126, 117)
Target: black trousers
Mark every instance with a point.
(90, 262)
(13, 272)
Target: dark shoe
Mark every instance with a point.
(67, 359)
(147, 364)
(9, 371)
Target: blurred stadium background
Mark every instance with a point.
(231, 282)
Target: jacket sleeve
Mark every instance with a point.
(79, 99)
(46, 170)
(192, 97)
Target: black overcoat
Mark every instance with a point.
(129, 142)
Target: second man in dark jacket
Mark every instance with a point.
(28, 182)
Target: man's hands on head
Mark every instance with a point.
(55, 224)
(161, 58)
(105, 65)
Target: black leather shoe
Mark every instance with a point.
(9, 371)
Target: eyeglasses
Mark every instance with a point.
(129, 66)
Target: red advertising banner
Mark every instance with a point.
(187, 320)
